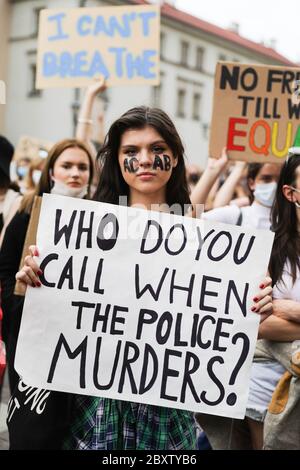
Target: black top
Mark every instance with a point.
(11, 252)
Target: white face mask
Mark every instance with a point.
(62, 189)
(265, 193)
(36, 176)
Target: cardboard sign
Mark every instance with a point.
(120, 43)
(30, 239)
(31, 147)
(255, 113)
(142, 306)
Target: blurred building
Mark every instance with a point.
(190, 49)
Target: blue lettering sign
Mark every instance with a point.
(81, 30)
(118, 63)
(146, 17)
(60, 34)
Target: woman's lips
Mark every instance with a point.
(146, 176)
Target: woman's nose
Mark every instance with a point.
(145, 158)
(74, 171)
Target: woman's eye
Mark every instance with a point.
(130, 153)
(158, 149)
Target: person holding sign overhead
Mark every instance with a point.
(142, 165)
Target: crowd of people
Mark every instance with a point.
(142, 159)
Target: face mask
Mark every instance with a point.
(62, 189)
(22, 171)
(36, 175)
(265, 193)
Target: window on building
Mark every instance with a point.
(184, 53)
(196, 106)
(181, 97)
(199, 58)
(32, 77)
(36, 16)
(162, 45)
(156, 96)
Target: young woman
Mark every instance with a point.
(262, 181)
(284, 324)
(142, 162)
(68, 171)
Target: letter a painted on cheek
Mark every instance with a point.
(129, 165)
(158, 163)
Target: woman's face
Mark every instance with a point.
(292, 192)
(269, 173)
(72, 168)
(146, 160)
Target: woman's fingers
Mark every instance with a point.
(265, 311)
(263, 300)
(266, 282)
(29, 261)
(28, 276)
(30, 272)
(33, 250)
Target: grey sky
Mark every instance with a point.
(259, 20)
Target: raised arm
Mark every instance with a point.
(226, 192)
(212, 171)
(84, 124)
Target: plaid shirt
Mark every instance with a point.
(105, 424)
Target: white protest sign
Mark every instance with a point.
(135, 307)
(119, 43)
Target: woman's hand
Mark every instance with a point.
(218, 165)
(29, 273)
(263, 300)
(97, 86)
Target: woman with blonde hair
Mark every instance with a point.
(68, 171)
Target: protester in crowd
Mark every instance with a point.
(21, 168)
(284, 324)
(34, 173)
(262, 182)
(68, 171)
(142, 160)
(273, 405)
(9, 192)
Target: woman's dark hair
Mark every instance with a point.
(253, 170)
(111, 184)
(286, 245)
(6, 183)
(45, 183)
